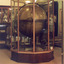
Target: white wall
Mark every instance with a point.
(5, 2)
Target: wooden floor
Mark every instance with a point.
(5, 56)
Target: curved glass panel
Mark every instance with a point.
(5, 15)
(14, 27)
(51, 24)
(31, 25)
(26, 27)
(41, 12)
(0, 15)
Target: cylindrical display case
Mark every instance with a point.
(32, 30)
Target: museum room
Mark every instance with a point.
(31, 32)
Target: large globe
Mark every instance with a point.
(26, 20)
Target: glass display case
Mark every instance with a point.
(3, 14)
(32, 30)
(5, 19)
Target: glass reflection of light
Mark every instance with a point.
(50, 2)
(27, 9)
(10, 8)
(27, 2)
(0, 12)
(35, 0)
(2, 25)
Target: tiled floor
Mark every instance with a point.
(5, 56)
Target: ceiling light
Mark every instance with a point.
(35, 0)
(27, 2)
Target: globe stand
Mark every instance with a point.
(31, 57)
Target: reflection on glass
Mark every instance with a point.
(51, 30)
(5, 15)
(0, 15)
(14, 31)
(26, 28)
(8, 38)
(51, 25)
(9, 15)
(41, 28)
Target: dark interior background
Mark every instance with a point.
(45, 7)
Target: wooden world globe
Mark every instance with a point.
(26, 20)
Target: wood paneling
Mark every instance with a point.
(32, 58)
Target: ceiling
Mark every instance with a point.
(30, 1)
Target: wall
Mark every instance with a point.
(63, 36)
(5, 2)
(59, 21)
(59, 18)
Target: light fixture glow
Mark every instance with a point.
(35, 0)
(27, 2)
(50, 2)
(2, 25)
(10, 8)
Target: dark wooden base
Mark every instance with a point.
(32, 58)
